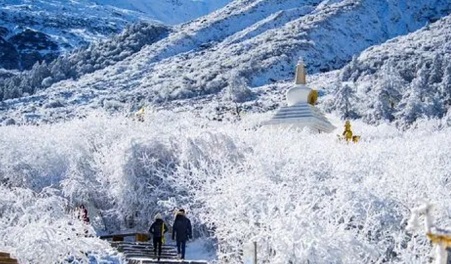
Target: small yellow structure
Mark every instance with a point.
(348, 135)
(440, 239)
(312, 97)
(141, 237)
(140, 114)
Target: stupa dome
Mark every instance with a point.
(300, 111)
(298, 94)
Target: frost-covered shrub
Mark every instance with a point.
(112, 105)
(54, 104)
(47, 81)
(237, 91)
(301, 197)
(36, 228)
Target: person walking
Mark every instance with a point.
(82, 214)
(157, 229)
(181, 231)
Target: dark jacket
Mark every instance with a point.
(158, 228)
(182, 228)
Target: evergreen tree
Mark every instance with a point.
(411, 108)
(350, 72)
(435, 106)
(345, 100)
(445, 85)
(421, 83)
(436, 73)
(413, 104)
(37, 74)
(387, 93)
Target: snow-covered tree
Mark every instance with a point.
(445, 85)
(237, 90)
(385, 94)
(345, 100)
(411, 106)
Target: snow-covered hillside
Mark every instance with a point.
(32, 31)
(97, 55)
(406, 78)
(245, 44)
(35, 30)
(169, 11)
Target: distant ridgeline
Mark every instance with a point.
(79, 62)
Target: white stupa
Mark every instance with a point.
(300, 111)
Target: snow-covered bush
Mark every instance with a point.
(301, 197)
(36, 228)
(237, 91)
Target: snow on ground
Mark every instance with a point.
(200, 249)
(302, 197)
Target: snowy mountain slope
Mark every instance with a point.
(169, 11)
(403, 79)
(254, 55)
(97, 55)
(258, 42)
(168, 48)
(32, 31)
(58, 25)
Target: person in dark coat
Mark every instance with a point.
(83, 214)
(181, 231)
(157, 229)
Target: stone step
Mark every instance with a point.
(137, 256)
(169, 253)
(144, 247)
(149, 251)
(139, 244)
(142, 252)
(149, 256)
(130, 251)
(165, 261)
(126, 247)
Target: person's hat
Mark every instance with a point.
(158, 216)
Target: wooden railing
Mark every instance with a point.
(139, 237)
(5, 258)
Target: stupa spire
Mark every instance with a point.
(301, 76)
